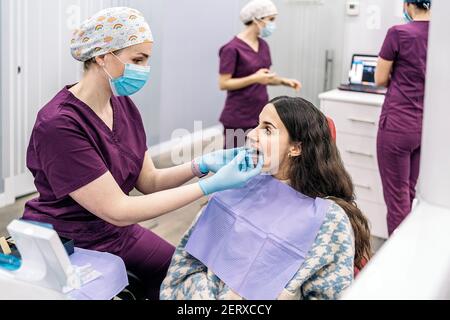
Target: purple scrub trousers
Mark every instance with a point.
(399, 161)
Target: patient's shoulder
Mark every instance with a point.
(331, 253)
(335, 238)
(336, 232)
(337, 219)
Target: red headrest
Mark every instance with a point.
(332, 128)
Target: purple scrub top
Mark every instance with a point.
(243, 106)
(406, 45)
(71, 146)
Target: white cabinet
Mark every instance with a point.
(356, 118)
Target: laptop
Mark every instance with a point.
(362, 75)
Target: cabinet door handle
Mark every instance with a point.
(363, 186)
(360, 153)
(362, 120)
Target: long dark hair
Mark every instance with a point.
(424, 5)
(319, 171)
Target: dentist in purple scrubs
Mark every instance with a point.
(402, 68)
(245, 73)
(88, 150)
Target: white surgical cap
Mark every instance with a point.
(109, 30)
(257, 9)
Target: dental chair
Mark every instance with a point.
(332, 128)
(135, 289)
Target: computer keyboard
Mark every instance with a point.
(363, 88)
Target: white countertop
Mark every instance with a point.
(353, 97)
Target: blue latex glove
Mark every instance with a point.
(214, 161)
(233, 175)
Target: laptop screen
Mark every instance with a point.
(363, 70)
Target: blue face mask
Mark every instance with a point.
(268, 30)
(133, 79)
(407, 17)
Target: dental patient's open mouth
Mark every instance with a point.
(253, 152)
(255, 155)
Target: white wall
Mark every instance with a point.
(185, 63)
(305, 32)
(434, 186)
(365, 33)
(35, 36)
(184, 66)
(1, 133)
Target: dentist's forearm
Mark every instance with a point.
(172, 177)
(237, 83)
(130, 210)
(276, 81)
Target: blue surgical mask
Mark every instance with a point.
(407, 17)
(268, 30)
(133, 79)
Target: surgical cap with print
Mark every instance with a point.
(257, 9)
(109, 30)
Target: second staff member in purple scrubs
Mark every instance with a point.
(402, 68)
(245, 72)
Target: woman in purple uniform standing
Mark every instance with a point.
(402, 68)
(88, 150)
(245, 72)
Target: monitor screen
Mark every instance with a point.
(363, 70)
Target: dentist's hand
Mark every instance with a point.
(233, 175)
(264, 76)
(214, 161)
(293, 83)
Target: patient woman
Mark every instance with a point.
(292, 233)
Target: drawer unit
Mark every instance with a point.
(376, 214)
(367, 184)
(358, 151)
(356, 118)
(353, 118)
